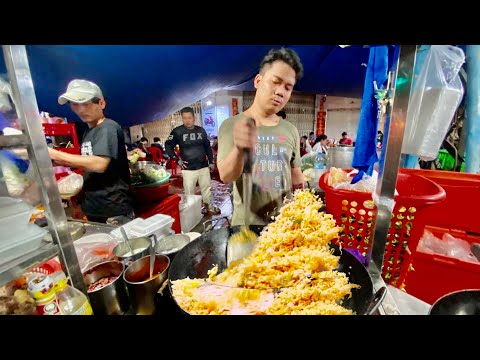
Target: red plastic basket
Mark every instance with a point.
(355, 212)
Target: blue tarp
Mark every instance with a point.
(144, 83)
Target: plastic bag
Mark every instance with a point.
(92, 253)
(447, 246)
(70, 185)
(5, 91)
(434, 100)
(14, 173)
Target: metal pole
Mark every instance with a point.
(388, 169)
(472, 126)
(18, 69)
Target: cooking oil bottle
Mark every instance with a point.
(71, 301)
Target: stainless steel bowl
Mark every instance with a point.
(111, 299)
(140, 244)
(171, 244)
(141, 165)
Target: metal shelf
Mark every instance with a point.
(17, 267)
(9, 141)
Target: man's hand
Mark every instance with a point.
(52, 153)
(182, 164)
(245, 134)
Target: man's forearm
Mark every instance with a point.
(231, 168)
(90, 163)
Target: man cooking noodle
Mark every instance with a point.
(275, 143)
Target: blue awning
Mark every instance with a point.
(144, 83)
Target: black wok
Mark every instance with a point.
(199, 256)
(463, 302)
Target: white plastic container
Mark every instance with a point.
(190, 212)
(158, 224)
(127, 227)
(25, 241)
(14, 214)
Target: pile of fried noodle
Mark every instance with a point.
(291, 270)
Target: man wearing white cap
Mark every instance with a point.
(106, 187)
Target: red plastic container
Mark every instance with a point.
(355, 212)
(436, 275)
(168, 206)
(148, 195)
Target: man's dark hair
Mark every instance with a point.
(344, 133)
(288, 56)
(143, 139)
(305, 137)
(311, 133)
(187, 109)
(156, 138)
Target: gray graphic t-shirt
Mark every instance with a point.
(276, 152)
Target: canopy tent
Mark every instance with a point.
(144, 83)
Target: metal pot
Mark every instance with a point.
(141, 288)
(171, 244)
(342, 156)
(196, 258)
(462, 302)
(111, 299)
(140, 244)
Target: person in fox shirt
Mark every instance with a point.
(196, 157)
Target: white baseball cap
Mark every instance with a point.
(80, 91)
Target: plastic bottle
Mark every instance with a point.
(319, 166)
(71, 301)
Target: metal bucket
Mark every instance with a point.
(141, 288)
(111, 299)
(342, 156)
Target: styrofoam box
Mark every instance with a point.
(127, 227)
(190, 212)
(14, 214)
(158, 224)
(25, 241)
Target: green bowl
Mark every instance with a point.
(156, 183)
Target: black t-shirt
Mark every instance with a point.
(194, 146)
(108, 193)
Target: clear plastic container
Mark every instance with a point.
(24, 241)
(14, 213)
(158, 224)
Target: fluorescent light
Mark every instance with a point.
(209, 103)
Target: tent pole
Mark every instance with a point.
(472, 153)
